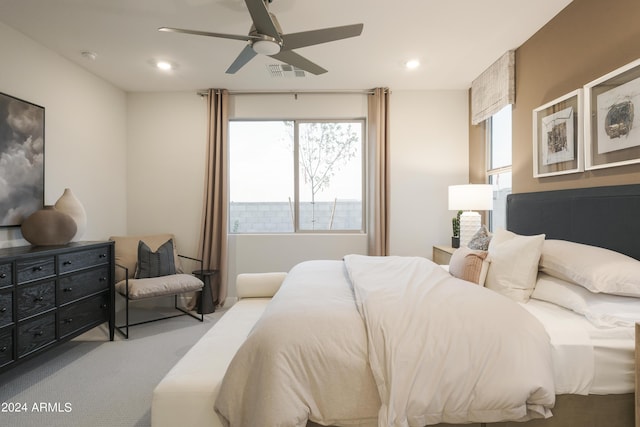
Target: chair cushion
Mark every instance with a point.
(126, 251)
(158, 286)
(155, 263)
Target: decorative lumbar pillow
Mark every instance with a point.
(155, 264)
(514, 264)
(470, 265)
(480, 240)
(597, 269)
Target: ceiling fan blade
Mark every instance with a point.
(261, 18)
(298, 61)
(205, 33)
(245, 56)
(309, 38)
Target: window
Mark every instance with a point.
(499, 165)
(296, 176)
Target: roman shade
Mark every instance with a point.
(493, 89)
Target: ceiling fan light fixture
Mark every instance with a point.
(266, 47)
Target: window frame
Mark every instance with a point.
(490, 170)
(296, 177)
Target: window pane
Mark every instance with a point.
(501, 188)
(261, 177)
(330, 175)
(501, 138)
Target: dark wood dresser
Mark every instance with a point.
(51, 294)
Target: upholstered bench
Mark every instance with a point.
(186, 395)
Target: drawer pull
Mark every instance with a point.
(103, 306)
(3, 275)
(3, 309)
(69, 320)
(38, 268)
(103, 279)
(40, 298)
(38, 333)
(69, 289)
(102, 256)
(3, 349)
(66, 263)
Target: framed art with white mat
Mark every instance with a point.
(557, 136)
(612, 128)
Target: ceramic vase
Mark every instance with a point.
(69, 204)
(48, 226)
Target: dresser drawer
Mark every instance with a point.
(6, 308)
(36, 333)
(76, 316)
(34, 299)
(74, 261)
(34, 269)
(6, 347)
(79, 285)
(5, 275)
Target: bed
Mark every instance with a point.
(341, 344)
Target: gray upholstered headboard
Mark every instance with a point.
(608, 217)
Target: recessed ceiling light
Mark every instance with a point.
(164, 65)
(412, 64)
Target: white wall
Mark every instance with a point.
(85, 132)
(166, 162)
(429, 152)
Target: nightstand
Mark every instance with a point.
(442, 254)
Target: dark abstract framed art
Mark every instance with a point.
(21, 159)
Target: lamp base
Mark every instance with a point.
(470, 223)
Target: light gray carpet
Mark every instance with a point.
(91, 381)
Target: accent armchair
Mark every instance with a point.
(149, 266)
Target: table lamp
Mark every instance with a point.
(470, 198)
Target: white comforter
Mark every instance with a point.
(390, 341)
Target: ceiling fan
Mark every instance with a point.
(266, 38)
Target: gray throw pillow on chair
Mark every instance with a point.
(155, 264)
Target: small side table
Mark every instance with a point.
(208, 304)
(442, 254)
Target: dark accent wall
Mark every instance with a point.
(586, 40)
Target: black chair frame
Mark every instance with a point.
(124, 329)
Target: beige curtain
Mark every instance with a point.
(378, 137)
(213, 236)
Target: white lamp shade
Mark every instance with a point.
(471, 197)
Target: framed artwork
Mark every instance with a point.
(612, 130)
(22, 160)
(557, 136)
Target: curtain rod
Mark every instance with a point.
(296, 92)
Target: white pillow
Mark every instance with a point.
(513, 264)
(597, 269)
(605, 311)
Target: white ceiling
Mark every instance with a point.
(455, 40)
